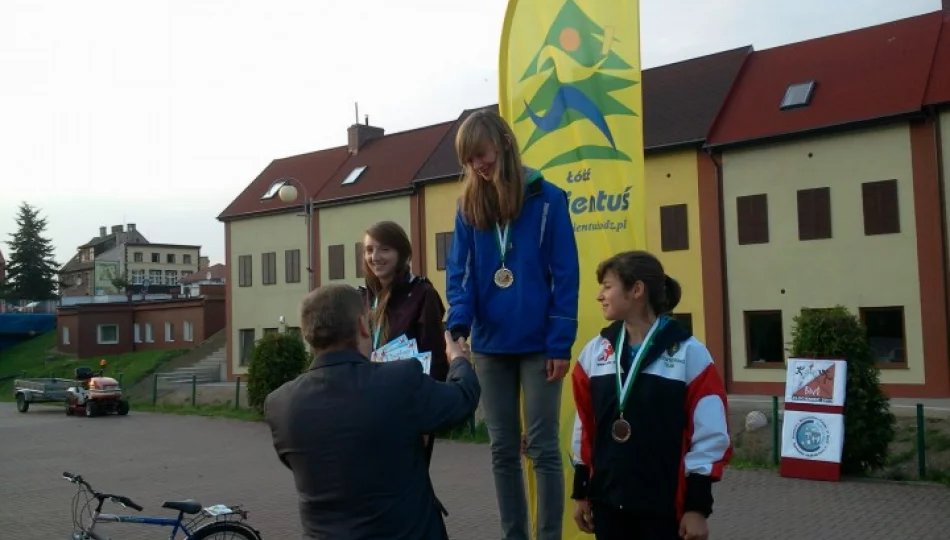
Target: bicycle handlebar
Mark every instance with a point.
(118, 499)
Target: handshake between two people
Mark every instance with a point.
(456, 348)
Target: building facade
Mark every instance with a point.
(831, 196)
(787, 179)
(348, 189)
(124, 254)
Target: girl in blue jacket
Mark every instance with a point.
(512, 283)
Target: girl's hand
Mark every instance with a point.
(583, 516)
(557, 369)
(693, 527)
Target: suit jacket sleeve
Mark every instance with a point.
(440, 406)
(272, 410)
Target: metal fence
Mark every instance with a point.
(920, 449)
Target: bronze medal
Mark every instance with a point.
(620, 430)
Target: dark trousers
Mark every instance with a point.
(614, 524)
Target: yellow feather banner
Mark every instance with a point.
(570, 88)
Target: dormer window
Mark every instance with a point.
(353, 176)
(797, 95)
(272, 191)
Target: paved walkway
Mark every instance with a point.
(149, 457)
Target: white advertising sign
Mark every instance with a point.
(816, 381)
(812, 436)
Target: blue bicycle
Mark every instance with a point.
(225, 521)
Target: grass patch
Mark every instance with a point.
(745, 464)
(469, 432)
(37, 358)
(217, 411)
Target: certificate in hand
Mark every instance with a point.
(402, 348)
(383, 353)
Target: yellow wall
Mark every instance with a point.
(672, 178)
(440, 217)
(260, 306)
(849, 269)
(345, 225)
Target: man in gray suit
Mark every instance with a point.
(351, 430)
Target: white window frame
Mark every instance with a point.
(137, 330)
(169, 332)
(101, 341)
(65, 335)
(188, 330)
(149, 338)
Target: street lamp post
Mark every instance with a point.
(288, 193)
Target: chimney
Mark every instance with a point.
(360, 134)
(131, 227)
(102, 232)
(117, 229)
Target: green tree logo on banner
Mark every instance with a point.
(581, 71)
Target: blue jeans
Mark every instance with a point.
(501, 377)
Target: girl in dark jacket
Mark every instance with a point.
(401, 302)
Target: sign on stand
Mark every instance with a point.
(813, 427)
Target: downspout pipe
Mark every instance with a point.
(941, 183)
(726, 327)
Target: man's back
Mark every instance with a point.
(351, 432)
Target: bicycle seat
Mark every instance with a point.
(188, 507)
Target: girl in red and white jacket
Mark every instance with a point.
(649, 443)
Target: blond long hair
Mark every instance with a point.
(484, 203)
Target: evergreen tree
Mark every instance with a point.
(31, 270)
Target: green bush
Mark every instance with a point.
(275, 359)
(868, 421)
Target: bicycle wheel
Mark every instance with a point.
(230, 530)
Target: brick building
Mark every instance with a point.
(95, 329)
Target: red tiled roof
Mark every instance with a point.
(391, 163)
(938, 91)
(218, 272)
(866, 74)
(312, 170)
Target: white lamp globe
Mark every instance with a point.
(287, 193)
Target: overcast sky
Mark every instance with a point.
(160, 113)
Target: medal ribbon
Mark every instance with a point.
(623, 389)
(501, 235)
(378, 328)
